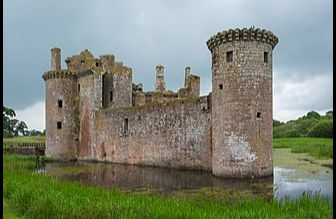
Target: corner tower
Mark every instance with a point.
(59, 109)
(242, 102)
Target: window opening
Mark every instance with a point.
(221, 86)
(125, 126)
(59, 125)
(111, 96)
(229, 56)
(258, 114)
(60, 104)
(265, 57)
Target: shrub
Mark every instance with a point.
(323, 129)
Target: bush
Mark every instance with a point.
(323, 129)
(292, 133)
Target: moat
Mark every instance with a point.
(287, 181)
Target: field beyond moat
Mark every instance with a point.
(35, 195)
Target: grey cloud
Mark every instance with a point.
(143, 34)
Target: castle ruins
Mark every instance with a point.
(94, 111)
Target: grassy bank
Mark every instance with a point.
(316, 147)
(22, 139)
(40, 196)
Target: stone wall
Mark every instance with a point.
(90, 100)
(122, 86)
(175, 134)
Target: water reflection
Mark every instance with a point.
(166, 181)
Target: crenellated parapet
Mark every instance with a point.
(245, 34)
(64, 73)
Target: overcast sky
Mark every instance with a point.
(143, 34)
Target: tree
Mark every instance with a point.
(8, 125)
(329, 114)
(34, 133)
(313, 114)
(20, 127)
(8, 112)
(11, 126)
(277, 123)
(323, 129)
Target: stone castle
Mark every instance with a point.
(95, 112)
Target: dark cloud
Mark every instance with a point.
(143, 34)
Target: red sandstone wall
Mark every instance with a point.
(176, 134)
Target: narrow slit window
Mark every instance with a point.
(125, 126)
(258, 115)
(59, 125)
(229, 56)
(221, 86)
(111, 96)
(78, 88)
(60, 104)
(97, 64)
(265, 57)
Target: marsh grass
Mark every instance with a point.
(321, 148)
(40, 196)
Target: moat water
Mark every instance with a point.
(286, 182)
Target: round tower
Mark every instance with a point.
(59, 110)
(242, 102)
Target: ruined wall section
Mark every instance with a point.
(122, 86)
(84, 61)
(90, 101)
(107, 64)
(242, 102)
(60, 104)
(194, 83)
(175, 134)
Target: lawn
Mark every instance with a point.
(35, 195)
(321, 148)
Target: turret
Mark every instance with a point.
(242, 102)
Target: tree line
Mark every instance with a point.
(13, 127)
(311, 125)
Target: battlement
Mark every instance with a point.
(58, 74)
(245, 34)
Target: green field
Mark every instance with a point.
(317, 147)
(41, 196)
(23, 139)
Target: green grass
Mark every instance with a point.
(41, 196)
(9, 213)
(23, 139)
(316, 147)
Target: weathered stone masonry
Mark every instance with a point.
(95, 112)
